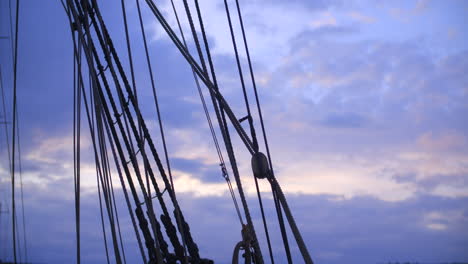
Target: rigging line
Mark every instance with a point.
(297, 235)
(222, 164)
(21, 191)
(242, 134)
(235, 201)
(133, 158)
(119, 89)
(129, 49)
(213, 134)
(150, 70)
(122, 103)
(74, 139)
(143, 225)
(18, 240)
(241, 76)
(103, 44)
(15, 65)
(110, 197)
(115, 205)
(254, 85)
(103, 176)
(76, 64)
(161, 128)
(132, 75)
(78, 151)
(225, 132)
(80, 84)
(5, 123)
(106, 169)
(91, 125)
(141, 219)
(284, 235)
(265, 226)
(146, 133)
(92, 133)
(12, 38)
(102, 217)
(122, 182)
(291, 221)
(258, 108)
(207, 114)
(254, 139)
(195, 38)
(132, 100)
(98, 167)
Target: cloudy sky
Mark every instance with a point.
(365, 105)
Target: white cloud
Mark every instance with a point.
(442, 220)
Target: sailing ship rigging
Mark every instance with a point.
(106, 99)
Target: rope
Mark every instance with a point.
(104, 177)
(14, 131)
(5, 123)
(122, 182)
(252, 129)
(76, 143)
(202, 76)
(127, 144)
(210, 123)
(161, 129)
(282, 227)
(195, 37)
(241, 76)
(228, 144)
(277, 189)
(265, 226)
(105, 184)
(292, 223)
(127, 111)
(141, 219)
(102, 216)
(112, 195)
(25, 245)
(145, 130)
(133, 159)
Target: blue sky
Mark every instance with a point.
(365, 105)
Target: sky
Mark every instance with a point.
(365, 106)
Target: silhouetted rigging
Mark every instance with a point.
(118, 124)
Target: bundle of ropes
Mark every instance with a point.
(120, 133)
(20, 248)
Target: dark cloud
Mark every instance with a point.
(206, 173)
(359, 230)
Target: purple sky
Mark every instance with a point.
(365, 105)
